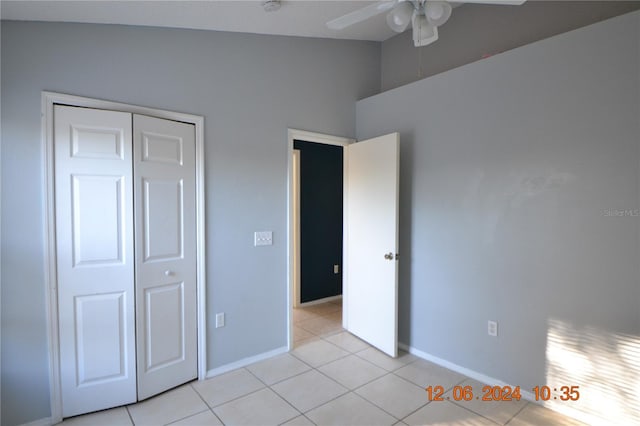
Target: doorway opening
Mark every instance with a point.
(370, 237)
(328, 270)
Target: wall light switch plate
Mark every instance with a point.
(220, 320)
(263, 238)
(492, 328)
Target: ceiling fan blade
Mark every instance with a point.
(360, 15)
(503, 2)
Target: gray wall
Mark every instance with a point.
(508, 168)
(249, 89)
(476, 30)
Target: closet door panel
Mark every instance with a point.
(164, 175)
(95, 262)
(163, 222)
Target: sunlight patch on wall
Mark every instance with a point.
(605, 366)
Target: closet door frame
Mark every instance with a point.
(49, 99)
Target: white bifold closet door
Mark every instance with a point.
(125, 247)
(95, 258)
(164, 192)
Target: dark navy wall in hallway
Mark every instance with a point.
(320, 219)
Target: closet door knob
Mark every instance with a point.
(168, 273)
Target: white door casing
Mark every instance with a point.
(371, 297)
(165, 217)
(296, 226)
(95, 258)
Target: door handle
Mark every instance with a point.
(389, 256)
(168, 273)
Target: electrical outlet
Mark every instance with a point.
(492, 328)
(220, 320)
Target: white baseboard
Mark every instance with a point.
(47, 421)
(319, 301)
(245, 361)
(465, 371)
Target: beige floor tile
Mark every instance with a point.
(321, 326)
(206, 418)
(347, 341)
(263, 407)
(499, 411)
(424, 373)
(225, 387)
(335, 316)
(352, 371)
(534, 415)
(394, 395)
(299, 343)
(299, 421)
(318, 352)
(445, 413)
(323, 308)
(385, 361)
(168, 407)
(300, 314)
(278, 368)
(308, 390)
(300, 334)
(113, 417)
(350, 409)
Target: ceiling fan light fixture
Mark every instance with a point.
(400, 16)
(437, 12)
(426, 15)
(423, 32)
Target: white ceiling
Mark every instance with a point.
(305, 18)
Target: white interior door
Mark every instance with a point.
(371, 297)
(164, 176)
(95, 258)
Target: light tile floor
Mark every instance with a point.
(329, 378)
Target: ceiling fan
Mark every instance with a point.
(425, 16)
